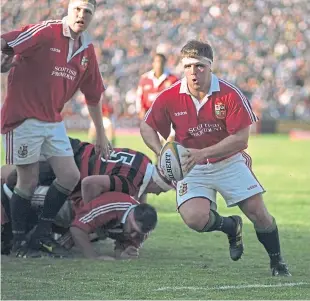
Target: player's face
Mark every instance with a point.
(79, 19)
(158, 64)
(198, 76)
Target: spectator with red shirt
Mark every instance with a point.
(54, 59)
(212, 119)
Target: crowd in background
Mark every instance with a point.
(262, 46)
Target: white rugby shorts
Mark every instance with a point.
(35, 140)
(232, 178)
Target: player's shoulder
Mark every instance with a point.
(170, 91)
(42, 27)
(146, 76)
(49, 25)
(227, 87)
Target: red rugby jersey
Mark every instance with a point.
(107, 214)
(224, 111)
(149, 87)
(48, 73)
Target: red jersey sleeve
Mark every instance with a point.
(157, 116)
(100, 211)
(92, 85)
(239, 113)
(26, 40)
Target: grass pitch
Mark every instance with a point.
(178, 263)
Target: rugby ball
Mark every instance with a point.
(170, 161)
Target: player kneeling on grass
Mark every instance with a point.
(212, 119)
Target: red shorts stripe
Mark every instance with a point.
(248, 159)
(9, 147)
(248, 163)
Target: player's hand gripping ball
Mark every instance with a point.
(170, 161)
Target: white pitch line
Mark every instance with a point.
(228, 287)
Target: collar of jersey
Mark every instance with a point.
(215, 85)
(85, 37)
(126, 214)
(146, 179)
(151, 75)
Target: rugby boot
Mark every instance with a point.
(235, 241)
(44, 242)
(279, 268)
(21, 249)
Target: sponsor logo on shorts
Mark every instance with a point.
(252, 187)
(183, 189)
(23, 151)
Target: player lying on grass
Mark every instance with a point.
(126, 171)
(113, 214)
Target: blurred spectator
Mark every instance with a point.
(262, 46)
(153, 82)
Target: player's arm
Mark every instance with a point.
(93, 89)
(230, 145)
(150, 137)
(96, 115)
(238, 121)
(81, 240)
(22, 42)
(129, 249)
(156, 121)
(93, 186)
(7, 56)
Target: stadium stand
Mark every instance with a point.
(263, 46)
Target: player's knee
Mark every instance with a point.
(196, 220)
(256, 211)
(69, 178)
(27, 187)
(87, 184)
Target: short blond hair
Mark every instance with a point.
(195, 48)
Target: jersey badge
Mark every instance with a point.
(84, 62)
(220, 110)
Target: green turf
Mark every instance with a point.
(177, 263)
